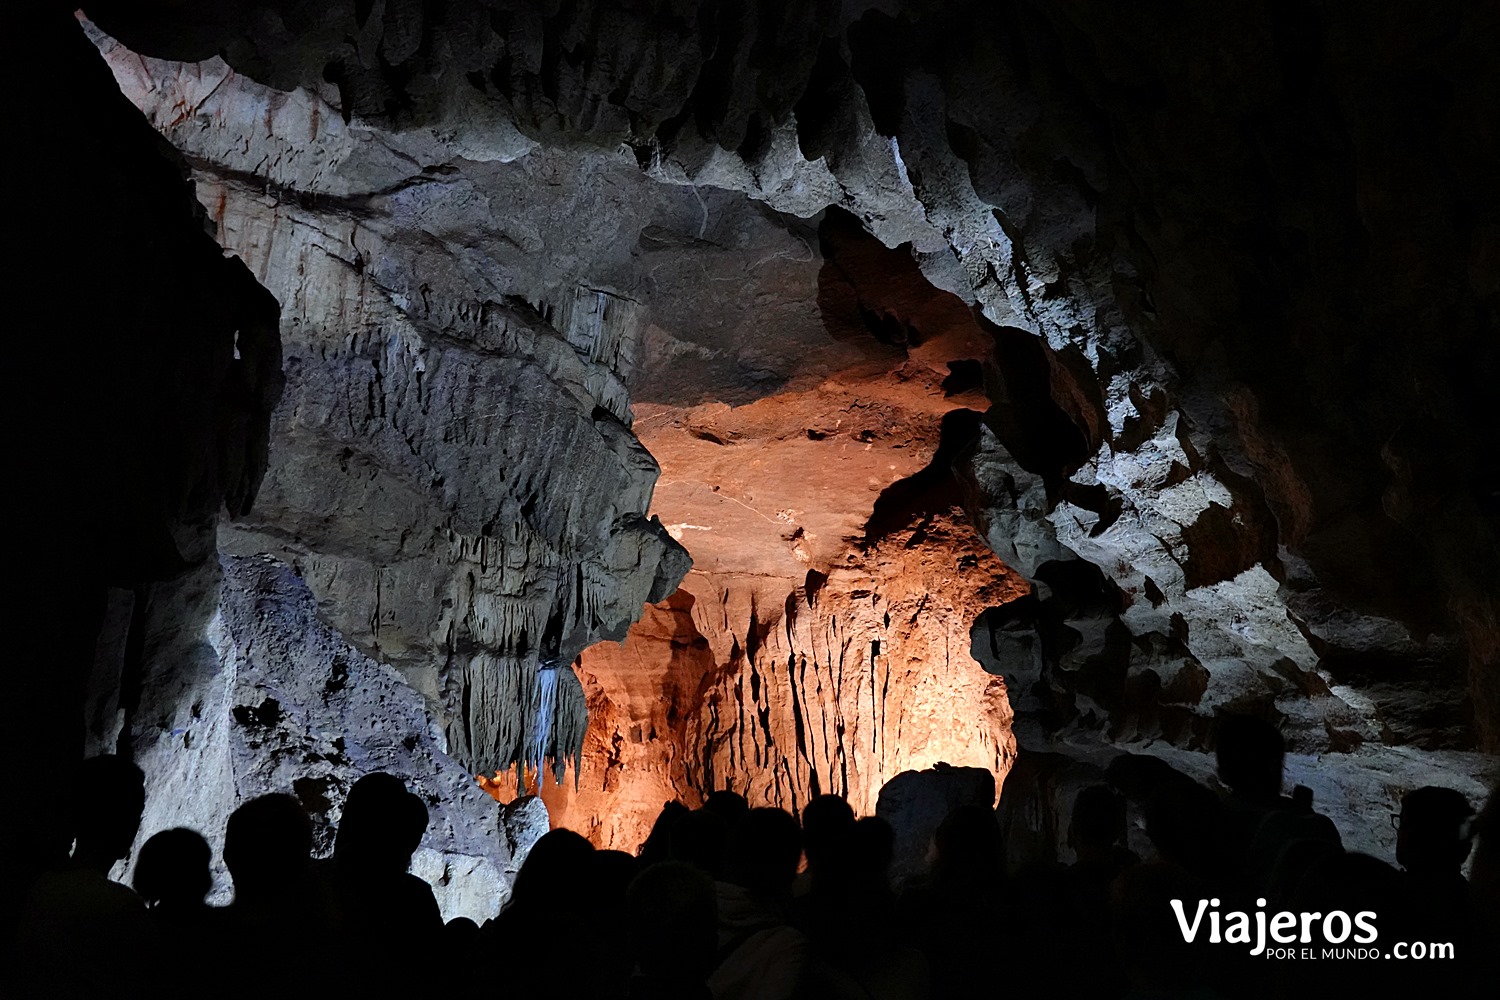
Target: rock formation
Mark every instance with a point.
(455, 476)
(168, 366)
(1187, 316)
(285, 703)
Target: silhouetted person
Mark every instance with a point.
(1251, 754)
(613, 871)
(383, 908)
(82, 935)
(1355, 883)
(968, 850)
(1182, 822)
(732, 807)
(955, 913)
(858, 949)
(1432, 843)
(1430, 837)
(671, 918)
(827, 826)
(1157, 962)
(701, 839)
(1096, 832)
(658, 844)
(554, 875)
(872, 850)
(281, 913)
(611, 875)
(1259, 824)
(761, 955)
(460, 936)
(536, 936)
(173, 876)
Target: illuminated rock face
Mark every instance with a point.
(848, 682)
(299, 709)
(454, 474)
(821, 644)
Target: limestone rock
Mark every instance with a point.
(1185, 317)
(286, 704)
(525, 821)
(821, 642)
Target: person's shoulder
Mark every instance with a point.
(72, 888)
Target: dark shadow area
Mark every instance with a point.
(932, 489)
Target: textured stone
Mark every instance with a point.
(1033, 162)
(454, 474)
(280, 702)
(821, 642)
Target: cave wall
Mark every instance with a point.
(794, 662)
(1234, 269)
(1205, 217)
(251, 692)
(164, 364)
(454, 473)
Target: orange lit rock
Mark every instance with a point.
(641, 693)
(801, 655)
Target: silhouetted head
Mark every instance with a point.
(731, 806)
(173, 869)
(1250, 754)
(267, 846)
(382, 825)
(658, 844)
(673, 922)
(827, 824)
(1098, 821)
(1430, 839)
(968, 845)
(1138, 775)
(555, 874)
(701, 839)
(460, 934)
(764, 851)
(110, 798)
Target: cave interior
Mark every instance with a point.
(615, 402)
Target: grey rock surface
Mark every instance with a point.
(283, 703)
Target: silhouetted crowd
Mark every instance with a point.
(729, 902)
